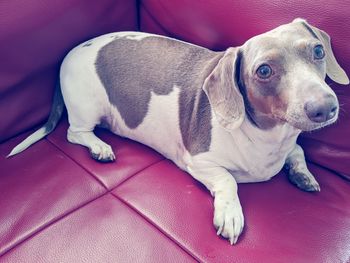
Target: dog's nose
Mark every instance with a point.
(321, 110)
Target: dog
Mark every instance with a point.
(224, 117)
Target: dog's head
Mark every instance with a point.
(277, 77)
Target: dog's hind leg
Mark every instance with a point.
(99, 150)
(86, 106)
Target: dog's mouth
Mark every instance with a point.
(295, 118)
(301, 122)
(312, 126)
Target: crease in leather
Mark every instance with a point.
(71, 211)
(95, 177)
(49, 223)
(341, 175)
(73, 160)
(166, 234)
(136, 173)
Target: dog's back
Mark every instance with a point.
(141, 86)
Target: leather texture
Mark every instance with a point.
(59, 205)
(38, 36)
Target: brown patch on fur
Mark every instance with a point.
(268, 110)
(192, 106)
(223, 91)
(130, 70)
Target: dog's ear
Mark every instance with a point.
(334, 71)
(221, 87)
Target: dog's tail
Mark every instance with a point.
(49, 126)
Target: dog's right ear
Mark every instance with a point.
(334, 70)
(222, 89)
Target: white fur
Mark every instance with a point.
(159, 129)
(80, 84)
(244, 155)
(252, 154)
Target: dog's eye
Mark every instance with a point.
(319, 52)
(264, 71)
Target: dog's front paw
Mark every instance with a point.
(305, 181)
(228, 218)
(102, 153)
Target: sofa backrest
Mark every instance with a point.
(35, 36)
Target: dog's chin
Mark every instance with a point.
(307, 125)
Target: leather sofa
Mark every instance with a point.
(59, 205)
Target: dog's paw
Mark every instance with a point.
(305, 181)
(102, 153)
(228, 218)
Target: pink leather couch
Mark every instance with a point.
(59, 205)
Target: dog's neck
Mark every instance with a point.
(275, 133)
(260, 120)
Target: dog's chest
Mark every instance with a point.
(266, 159)
(253, 155)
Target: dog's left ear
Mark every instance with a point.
(222, 90)
(334, 71)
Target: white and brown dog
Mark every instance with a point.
(224, 117)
